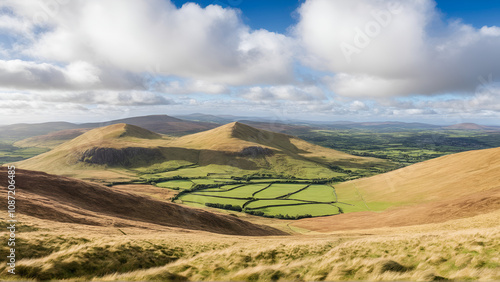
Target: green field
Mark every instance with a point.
(279, 190)
(181, 184)
(265, 203)
(283, 200)
(402, 145)
(316, 192)
(243, 191)
(201, 199)
(10, 153)
(312, 209)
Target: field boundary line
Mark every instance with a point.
(290, 194)
(253, 194)
(362, 199)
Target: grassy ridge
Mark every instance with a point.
(433, 252)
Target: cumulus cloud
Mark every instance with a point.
(210, 44)
(283, 92)
(378, 48)
(190, 86)
(112, 98)
(18, 74)
(94, 57)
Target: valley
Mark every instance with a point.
(241, 202)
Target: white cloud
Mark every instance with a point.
(191, 86)
(490, 31)
(377, 50)
(283, 92)
(112, 98)
(18, 74)
(210, 44)
(95, 56)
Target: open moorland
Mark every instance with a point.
(236, 202)
(66, 231)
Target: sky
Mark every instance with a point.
(359, 60)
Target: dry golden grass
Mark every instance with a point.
(460, 249)
(457, 250)
(448, 177)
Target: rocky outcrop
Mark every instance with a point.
(256, 151)
(121, 157)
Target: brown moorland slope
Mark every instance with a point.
(436, 212)
(454, 186)
(70, 200)
(447, 177)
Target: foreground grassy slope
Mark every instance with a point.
(461, 250)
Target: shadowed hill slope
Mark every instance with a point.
(64, 199)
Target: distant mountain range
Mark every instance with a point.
(193, 123)
(157, 123)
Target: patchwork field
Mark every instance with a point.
(271, 199)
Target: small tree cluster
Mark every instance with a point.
(224, 206)
(280, 216)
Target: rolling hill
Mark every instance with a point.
(62, 199)
(23, 130)
(51, 140)
(453, 186)
(471, 126)
(122, 149)
(159, 123)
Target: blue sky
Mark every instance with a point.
(278, 15)
(405, 60)
(477, 13)
(275, 15)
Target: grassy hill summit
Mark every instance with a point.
(234, 149)
(116, 131)
(235, 136)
